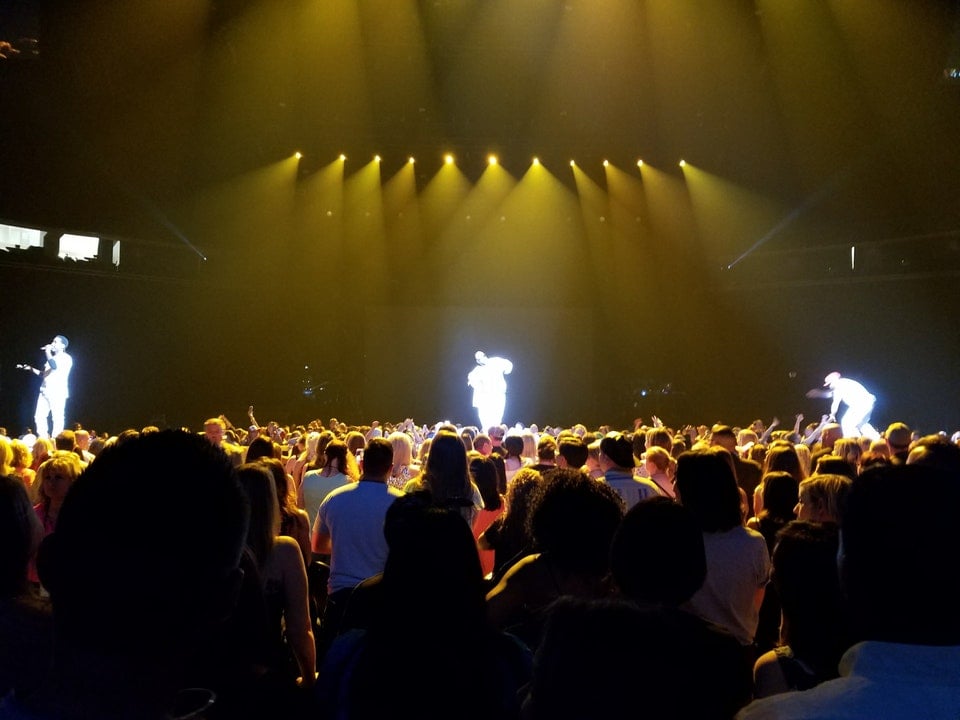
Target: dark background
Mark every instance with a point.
(166, 125)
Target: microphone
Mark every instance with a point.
(46, 347)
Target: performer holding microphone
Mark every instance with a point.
(55, 389)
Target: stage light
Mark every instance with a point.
(448, 159)
(298, 154)
(376, 158)
(573, 163)
(342, 157)
(410, 160)
(683, 163)
(536, 161)
(492, 160)
(606, 163)
(639, 163)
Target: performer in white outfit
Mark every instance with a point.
(859, 401)
(489, 388)
(55, 388)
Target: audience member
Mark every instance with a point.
(26, 632)
(169, 515)
(349, 528)
(821, 497)
(738, 563)
(283, 576)
(896, 527)
(815, 631)
(438, 658)
(617, 462)
(564, 562)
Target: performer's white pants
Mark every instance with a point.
(49, 405)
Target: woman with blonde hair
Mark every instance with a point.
(850, 450)
(20, 460)
(54, 479)
(6, 457)
(403, 469)
(821, 497)
(41, 451)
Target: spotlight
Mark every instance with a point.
(448, 159)
(573, 163)
(606, 163)
(410, 160)
(298, 154)
(536, 161)
(342, 157)
(683, 163)
(376, 158)
(492, 160)
(639, 163)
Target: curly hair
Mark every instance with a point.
(565, 496)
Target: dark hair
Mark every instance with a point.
(619, 449)
(657, 555)
(570, 495)
(20, 533)
(780, 494)
(514, 445)
(897, 525)
(706, 484)
(433, 572)
(574, 451)
(484, 474)
(835, 465)
(781, 456)
(261, 447)
(936, 451)
(446, 474)
(808, 585)
(377, 457)
(177, 552)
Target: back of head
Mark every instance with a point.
(432, 568)
(780, 494)
(20, 533)
(618, 449)
(781, 456)
(258, 484)
(936, 451)
(707, 486)
(377, 458)
(896, 527)
(657, 555)
(446, 474)
(167, 511)
(66, 440)
(574, 451)
(484, 474)
(546, 448)
(898, 436)
(807, 582)
(261, 447)
(835, 465)
(402, 448)
(514, 445)
(570, 497)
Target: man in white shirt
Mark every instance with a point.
(55, 388)
(859, 401)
